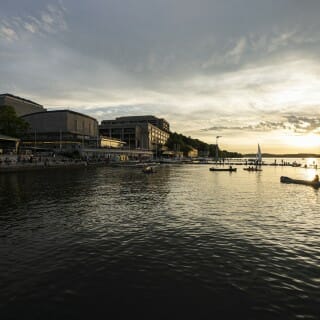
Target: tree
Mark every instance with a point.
(10, 124)
(182, 143)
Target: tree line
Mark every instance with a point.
(180, 142)
(10, 124)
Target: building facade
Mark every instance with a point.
(136, 132)
(193, 153)
(21, 106)
(60, 129)
(104, 142)
(115, 154)
(157, 122)
(8, 144)
(111, 143)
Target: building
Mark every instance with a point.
(105, 142)
(158, 122)
(193, 153)
(170, 154)
(115, 154)
(21, 106)
(60, 129)
(137, 132)
(111, 143)
(8, 144)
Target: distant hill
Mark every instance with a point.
(179, 142)
(286, 155)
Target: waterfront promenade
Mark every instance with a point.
(27, 163)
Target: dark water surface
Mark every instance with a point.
(75, 244)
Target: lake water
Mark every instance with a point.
(184, 241)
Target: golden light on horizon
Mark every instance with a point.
(308, 141)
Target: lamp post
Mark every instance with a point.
(60, 139)
(217, 148)
(35, 140)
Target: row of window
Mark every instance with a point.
(162, 125)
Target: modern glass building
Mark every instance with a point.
(141, 132)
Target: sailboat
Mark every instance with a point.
(258, 161)
(259, 156)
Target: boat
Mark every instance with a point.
(259, 156)
(224, 169)
(252, 169)
(149, 169)
(295, 164)
(312, 183)
(258, 162)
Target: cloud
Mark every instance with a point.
(49, 20)
(240, 66)
(303, 124)
(236, 52)
(8, 33)
(296, 124)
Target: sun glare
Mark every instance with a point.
(305, 142)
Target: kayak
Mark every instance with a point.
(224, 169)
(315, 184)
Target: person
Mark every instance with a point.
(316, 178)
(230, 167)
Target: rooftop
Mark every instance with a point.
(19, 98)
(57, 111)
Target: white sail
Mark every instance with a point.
(259, 155)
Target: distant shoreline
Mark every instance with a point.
(297, 155)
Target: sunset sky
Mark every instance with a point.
(246, 70)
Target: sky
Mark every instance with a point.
(245, 70)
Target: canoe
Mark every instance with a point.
(252, 169)
(223, 169)
(314, 184)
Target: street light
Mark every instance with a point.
(217, 148)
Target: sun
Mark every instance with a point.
(309, 141)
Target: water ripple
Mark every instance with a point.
(241, 244)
